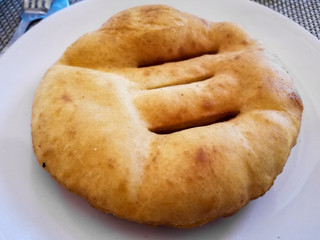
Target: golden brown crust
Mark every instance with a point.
(164, 118)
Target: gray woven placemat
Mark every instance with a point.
(10, 11)
(304, 12)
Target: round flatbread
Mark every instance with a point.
(164, 118)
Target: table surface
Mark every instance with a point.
(304, 12)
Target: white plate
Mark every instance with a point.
(34, 206)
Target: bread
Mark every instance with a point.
(164, 118)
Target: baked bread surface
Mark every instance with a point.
(164, 118)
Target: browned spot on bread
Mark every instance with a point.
(244, 42)
(182, 51)
(193, 44)
(237, 57)
(66, 98)
(110, 166)
(146, 72)
(296, 99)
(202, 157)
(72, 133)
(48, 153)
(170, 183)
(207, 104)
(147, 167)
(172, 72)
(189, 180)
(122, 187)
